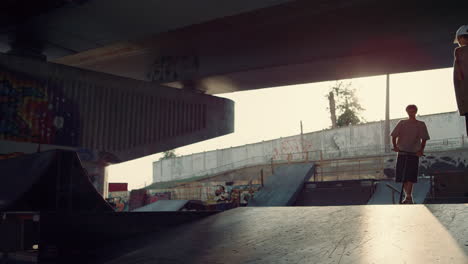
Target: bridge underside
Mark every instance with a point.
(117, 82)
(292, 43)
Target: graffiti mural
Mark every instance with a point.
(173, 68)
(34, 111)
(291, 146)
(231, 195)
(119, 201)
(10, 155)
(434, 163)
(156, 196)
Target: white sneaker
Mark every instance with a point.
(408, 200)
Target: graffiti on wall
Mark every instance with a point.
(33, 111)
(230, 195)
(156, 196)
(10, 155)
(434, 163)
(119, 201)
(289, 146)
(37, 111)
(173, 68)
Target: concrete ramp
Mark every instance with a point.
(283, 187)
(163, 206)
(322, 234)
(48, 181)
(383, 193)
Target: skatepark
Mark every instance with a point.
(89, 83)
(290, 219)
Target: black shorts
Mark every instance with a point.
(466, 122)
(407, 168)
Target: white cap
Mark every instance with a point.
(463, 30)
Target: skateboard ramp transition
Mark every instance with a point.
(383, 193)
(332, 193)
(434, 233)
(283, 186)
(48, 181)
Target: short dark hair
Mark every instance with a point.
(412, 106)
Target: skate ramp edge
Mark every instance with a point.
(53, 180)
(383, 194)
(283, 187)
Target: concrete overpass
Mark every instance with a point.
(104, 71)
(95, 76)
(226, 46)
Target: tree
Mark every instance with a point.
(332, 108)
(168, 154)
(347, 118)
(342, 99)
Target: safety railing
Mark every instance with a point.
(357, 155)
(350, 169)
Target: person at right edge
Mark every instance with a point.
(460, 71)
(409, 140)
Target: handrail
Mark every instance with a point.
(393, 188)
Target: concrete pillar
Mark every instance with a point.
(387, 116)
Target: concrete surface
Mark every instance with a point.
(283, 187)
(124, 117)
(163, 206)
(383, 194)
(338, 234)
(312, 195)
(31, 183)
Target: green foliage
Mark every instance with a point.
(348, 117)
(168, 154)
(346, 104)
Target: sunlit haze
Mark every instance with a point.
(276, 112)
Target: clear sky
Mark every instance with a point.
(276, 112)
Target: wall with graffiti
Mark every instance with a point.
(173, 68)
(154, 196)
(434, 162)
(237, 193)
(37, 112)
(449, 168)
(119, 200)
(364, 139)
(33, 111)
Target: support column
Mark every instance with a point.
(387, 117)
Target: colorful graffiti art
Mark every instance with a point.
(119, 201)
(154, 197)
(434, 163)
(11, 155)
(34, 111)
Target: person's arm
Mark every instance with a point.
(395, 134)
(424, 138)
(458, 68)
(394, 142)
(423, 145)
